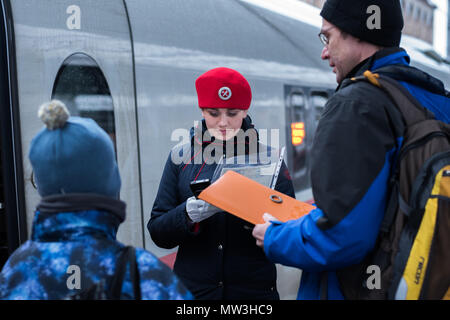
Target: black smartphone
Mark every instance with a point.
(199, 185)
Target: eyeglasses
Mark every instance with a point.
(323, 38)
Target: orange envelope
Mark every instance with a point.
(249, 200)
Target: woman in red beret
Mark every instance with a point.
(217, 256)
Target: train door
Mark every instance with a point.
(13, 230)
(80, 52)
(304, 107)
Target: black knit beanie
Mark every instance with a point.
(358, 17)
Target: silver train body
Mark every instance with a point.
(131, 65)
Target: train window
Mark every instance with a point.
(297, 100)
(415, 12)
(81, 85)
(430, 19)
(318, 101)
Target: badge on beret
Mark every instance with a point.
(224, 93)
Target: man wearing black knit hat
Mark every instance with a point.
(350, 36)
(357, 139)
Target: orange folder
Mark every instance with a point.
(249, 200)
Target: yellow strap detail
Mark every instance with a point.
(372, 77)
(416, 266)
(447, 295)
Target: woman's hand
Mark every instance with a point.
(199, 210)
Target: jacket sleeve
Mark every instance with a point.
(351, 161)
(169, 224)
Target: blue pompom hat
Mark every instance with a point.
(73, 155)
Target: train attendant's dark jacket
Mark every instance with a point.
(352, 156)
(218, 257)
(71, 241)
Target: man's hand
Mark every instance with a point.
(259, 230)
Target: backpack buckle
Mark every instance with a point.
(372, 77)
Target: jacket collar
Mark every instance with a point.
(394, 63)
(74, 216)
(382, 58)
(198, 144)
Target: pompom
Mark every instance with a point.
(54, 114)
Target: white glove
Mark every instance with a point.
(199, 210)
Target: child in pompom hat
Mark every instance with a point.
(217, 256)
(76, 222)
(73, 155)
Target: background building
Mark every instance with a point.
(317, 3)
(419, 19)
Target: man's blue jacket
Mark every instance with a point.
(354, 148)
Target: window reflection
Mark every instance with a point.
(319, 100)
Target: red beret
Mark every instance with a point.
(223, 88)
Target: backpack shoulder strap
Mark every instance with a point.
(134, 274)
(119, 274)
(412, 111)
